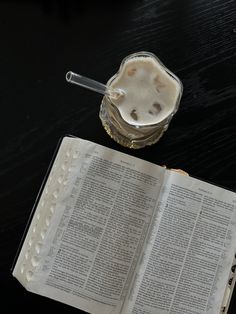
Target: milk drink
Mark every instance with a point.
(149, 99)
(150, 94)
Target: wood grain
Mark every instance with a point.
(42, 40)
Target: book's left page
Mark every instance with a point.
(89, 226)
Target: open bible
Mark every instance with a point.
(111, 233)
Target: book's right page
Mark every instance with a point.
(190, 252)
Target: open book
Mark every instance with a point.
(112, 233)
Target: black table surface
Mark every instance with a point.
(42, 40)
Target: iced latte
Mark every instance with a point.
(149, 99)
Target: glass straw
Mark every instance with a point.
(93, 85)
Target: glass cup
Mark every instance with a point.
(150, 98)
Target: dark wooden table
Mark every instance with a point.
(41, 40)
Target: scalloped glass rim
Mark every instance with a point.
(146, 54)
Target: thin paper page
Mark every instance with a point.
(99, 225)
(23, 268)
(190, 253)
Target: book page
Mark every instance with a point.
(189, 256)
(100, 221)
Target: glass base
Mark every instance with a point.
(127, 135)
